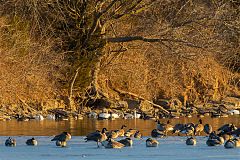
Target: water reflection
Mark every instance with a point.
(83, 127)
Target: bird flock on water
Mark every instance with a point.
(227, 135)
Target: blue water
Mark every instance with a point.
(170, 148)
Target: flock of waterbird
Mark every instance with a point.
(227, 134)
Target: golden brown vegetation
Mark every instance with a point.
(115, 49)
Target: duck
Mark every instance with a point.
(127, 142)
(191, 141)
(31, 142)
(150, 142)
(138, 135)
(198, 128)
(10, 142)
(207, 129)
(232, 143)
(61, 139)
(97, 136)
(110, 143)
(157, 134)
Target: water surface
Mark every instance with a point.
(83, 127)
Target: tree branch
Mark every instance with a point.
(141, 38)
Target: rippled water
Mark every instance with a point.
(83, 127)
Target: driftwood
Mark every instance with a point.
(26, 106)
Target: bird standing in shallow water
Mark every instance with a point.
(31, 142)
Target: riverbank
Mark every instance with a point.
(171, 109)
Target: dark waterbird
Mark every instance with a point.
(10, 142)
(157, 134)
(191, 141)
(127, 142)
(61, 139)
(97, 136)
(31, 142)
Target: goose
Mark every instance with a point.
(121, 131)
(191, 141)
(31, 142)
(214, 139)
(151, 142)
(207, 128)
(138, 135)
(22, 118)
(113, 134)
(188, 130)
(215, 142)
(65, 136)
(97, 136)
(226, 136)
(236, 132)
(61, 143)
(127, 142)
(178, 128)
(110, 143)
(164, 127)
(198, 128)
(157, 134)
(130, 132)
(61, 139)
(10, 142)
(232, 143)
(227, 128)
